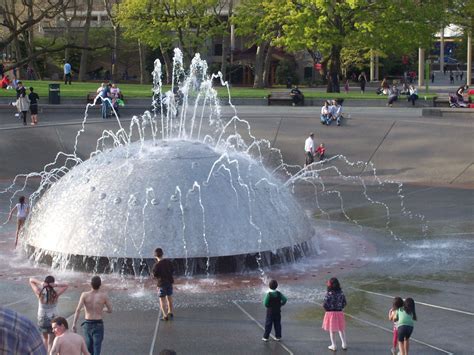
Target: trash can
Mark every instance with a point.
(54, 94)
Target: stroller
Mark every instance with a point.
(454, 101)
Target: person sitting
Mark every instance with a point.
(325, 114)
(296, 95)
(5, 83)
(385, 86)
(336, 112)
(413, 94)
(460, 92)
(320, 151)
(392, 95)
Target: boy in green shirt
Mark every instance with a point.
(273, 301)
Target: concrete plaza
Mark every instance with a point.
(224, 315)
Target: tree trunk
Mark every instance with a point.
(267, 67)
(168, 65)
(334, 69)
(258, 82)
(141, 55)
(85, 42)
(113, 70)
(225, 51)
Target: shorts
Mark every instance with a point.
(165, 290)
(404, 332)
(44, 324)
(309, 158)
(34, 109)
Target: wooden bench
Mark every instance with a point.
(283, 97)
(91, 97)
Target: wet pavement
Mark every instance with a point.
(424, 250)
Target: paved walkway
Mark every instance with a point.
(223, 314)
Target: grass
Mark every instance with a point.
(80, 90)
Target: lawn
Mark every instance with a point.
(80, 90)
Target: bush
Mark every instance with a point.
(286, 71)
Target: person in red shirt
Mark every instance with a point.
(5, 83)
(320, 151)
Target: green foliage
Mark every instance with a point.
(164, 23)
(285, 71)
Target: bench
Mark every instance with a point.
(91, 97)
(282, 96)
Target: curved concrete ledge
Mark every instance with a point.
(446, 112)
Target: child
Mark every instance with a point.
(334, 303)
(405, 316)
(273, 301)
(320, 151)
(397, 303)
(346, 86)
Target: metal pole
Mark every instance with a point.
(427, 74)
(372, 71)
(469, 59)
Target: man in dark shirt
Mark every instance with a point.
(163, 273)
(296, 95)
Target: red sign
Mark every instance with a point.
(318, 66)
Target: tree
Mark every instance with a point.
(112, 7)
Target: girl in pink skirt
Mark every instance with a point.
(334, 303)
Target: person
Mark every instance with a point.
(336, 112)
(346, 86)
(413, 94)
(116, 96)
(94, 302)
(19, 335)
(405, 316)
(2, 70)
(385, 86)
(392, 95)
(105, 98)
(66, 342)
(273, 301)
(296, 95)
(451, 77)
(461, 75)
(432, 76)
(309, 149)
(22, 209)
(163, 272)
(445, 69)
(6, 82)
(22, 101)
(334, 321)
(33, 97)
(397, 303)
(460, 92)
(48, 292)
(457, 76)
(362, 81)
(320, 151)
(325, 113)
(67, 72)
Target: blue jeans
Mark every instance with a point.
(272, 320)
(94, 334)
(105, 109)
(326, 119)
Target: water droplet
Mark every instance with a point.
(194, 164)
(155, 201)
(117, 200)
(174, 198)
(205, 183)
(92, 188)
(215, 174)
(103, 195)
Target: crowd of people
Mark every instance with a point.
(111, 98)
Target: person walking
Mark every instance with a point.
(34, 98)
(362, 81)
(397, 304)
(273, 302)
(66, 342)
(67, 72)
(334, 321)
(405, 316)
(47, 292)
(163, 272)
(22, 101)
(94, 303)
(309, 150)
(22, 210)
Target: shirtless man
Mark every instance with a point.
(93, 302)
(66, 342)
